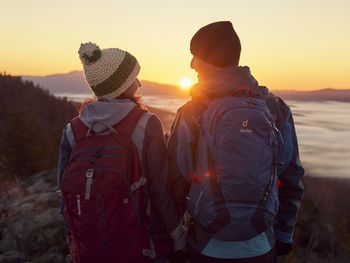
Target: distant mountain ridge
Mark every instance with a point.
(75, 83)
(316, 95)
(72, 82)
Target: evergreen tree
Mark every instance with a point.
(31, 123)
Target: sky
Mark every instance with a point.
(295, 45)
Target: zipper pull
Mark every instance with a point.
(89, 180)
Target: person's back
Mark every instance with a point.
(109, 168)
(216, 51)
(290, 173)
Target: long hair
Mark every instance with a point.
(136, 97)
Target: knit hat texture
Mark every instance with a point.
(109, 72)
(217, 44)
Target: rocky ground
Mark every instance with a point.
(31, 228)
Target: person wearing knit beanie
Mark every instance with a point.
(119, 151)
(217, 44)
(109, 72)
(198, 155)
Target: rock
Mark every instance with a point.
(14, 257)
(52, 257)
(30, 221)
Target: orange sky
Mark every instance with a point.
(287, 44)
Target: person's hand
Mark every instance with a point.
(283, 248)
(179, 254)
(179, 237)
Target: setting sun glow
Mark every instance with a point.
(36, 41)
(185, 83)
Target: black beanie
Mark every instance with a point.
(217, 44)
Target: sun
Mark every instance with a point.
(185, 83)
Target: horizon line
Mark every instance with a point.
(168, 84)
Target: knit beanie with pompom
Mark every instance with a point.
(109, 72)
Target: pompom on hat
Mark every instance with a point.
(217, 44)
(109, 72)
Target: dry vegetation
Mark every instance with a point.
(31, 226)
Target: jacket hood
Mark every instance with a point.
(101, 115)
(226, 81)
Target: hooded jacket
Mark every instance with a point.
(147, 137)
(182, 146)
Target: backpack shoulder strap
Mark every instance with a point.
(127, 125)
(191, 114)
(279, 110)
(79, 129)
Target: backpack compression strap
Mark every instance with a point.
(125, 127)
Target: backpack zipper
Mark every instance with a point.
(89, 180)
(196, 208)
(274, 143)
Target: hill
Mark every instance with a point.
(316, 95)
(74, 83)
(158, 89)
(31, 127)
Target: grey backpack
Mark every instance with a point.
(233, 193)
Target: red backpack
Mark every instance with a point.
(104, 202)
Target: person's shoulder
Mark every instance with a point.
(186, 107)
(279, 109)
(152, 122)
(192, 107)
(277, 101)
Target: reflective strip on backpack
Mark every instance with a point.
(70, 135)
(138, 134)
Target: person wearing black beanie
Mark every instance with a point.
(217, 44)
(199, 158)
